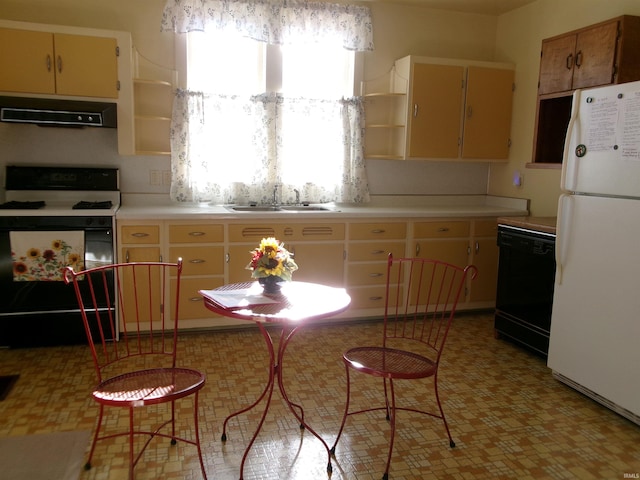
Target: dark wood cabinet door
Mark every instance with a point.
(595, 56)
(556, 64)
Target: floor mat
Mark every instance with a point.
(49, 456)
(6, 384)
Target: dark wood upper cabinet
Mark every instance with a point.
(602, 54)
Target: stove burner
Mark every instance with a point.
(83, 205)
(23, 205)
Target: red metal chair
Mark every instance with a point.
(421, 300)
(138, 369)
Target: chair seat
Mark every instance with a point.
(147, 387)
(389, 362)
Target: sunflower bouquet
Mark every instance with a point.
(271, 259)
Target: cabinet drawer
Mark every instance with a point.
(368, 274)
(140, 234)
(371, 231)
(485, 228)
(372, 251)
(191, 302)
(196, 233)
(441, 229)
(369, 297)
(204, 260)
(286, 232)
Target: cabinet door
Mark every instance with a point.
(487, 123)
(595, 56)
(556, 64)
(436, 93)
(454, 251)
(319, 263)
(485, 258)
(27, 61)
(86, 66)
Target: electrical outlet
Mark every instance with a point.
(166, 177)
(155, 177)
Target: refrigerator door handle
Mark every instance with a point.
(563, 234)
(569, 160)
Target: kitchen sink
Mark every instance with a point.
(251, 208)
(278, 208)
(305, 208)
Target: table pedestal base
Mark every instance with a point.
(275, 375)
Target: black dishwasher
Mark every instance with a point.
(526, 275)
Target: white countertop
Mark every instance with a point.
(151, 207)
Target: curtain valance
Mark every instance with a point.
(275, 22)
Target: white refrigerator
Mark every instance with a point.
(595, 326)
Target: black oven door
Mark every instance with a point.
(45, 313)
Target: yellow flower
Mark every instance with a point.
(57, 244)
(33, 253)
(269, 246)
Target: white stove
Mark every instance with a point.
(72, 203)
(61, 191)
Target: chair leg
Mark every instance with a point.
(131, 437)
(386, 399)
(197, 435)
(452, 444)
(392, 421)
(346, 411)
(173, 423)
(87, 466)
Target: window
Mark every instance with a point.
(275, 112)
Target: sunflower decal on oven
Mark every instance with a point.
(42, 256)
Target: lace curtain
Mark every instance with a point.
(276, 22)
(234, 149)
(211, 132)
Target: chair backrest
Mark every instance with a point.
(421, 300)
(130, 313)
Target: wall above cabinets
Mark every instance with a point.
(440, 109)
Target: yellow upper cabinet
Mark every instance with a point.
(453, 110)
(487, 117)
(57, 63)
(437, 96)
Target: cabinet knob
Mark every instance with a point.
(579, 59)
(48, 63)
(415, 110)
(139, 234)
(197, 260)
(196, 234)
(569, 61)
(376, 275)
(195, 299)
(59, 63)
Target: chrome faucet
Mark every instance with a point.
(275, 195)
(297, 196)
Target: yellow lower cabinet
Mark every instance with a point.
(191, 303)
(484, 255)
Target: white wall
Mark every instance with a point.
(519, 37)
(398, 31)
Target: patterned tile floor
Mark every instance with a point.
(510, 419)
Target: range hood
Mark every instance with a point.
(58, 113)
